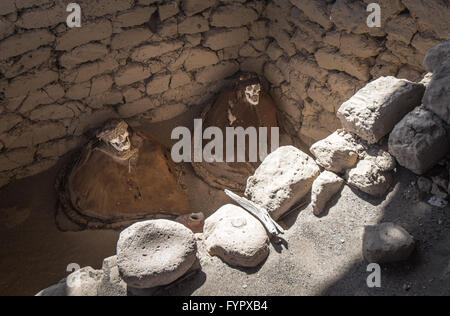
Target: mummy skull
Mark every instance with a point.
(122, 142)
(116, 134)
(253, 94)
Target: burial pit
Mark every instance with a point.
(313, 100)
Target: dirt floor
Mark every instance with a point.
(320, 256)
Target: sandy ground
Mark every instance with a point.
(320, 256)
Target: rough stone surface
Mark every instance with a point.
(25, 42)
(437, 55)
(336, 153)
(374, 110)
(84, 282)
(155, 253)
(7, 7)
(234, 15)
(192, 7)
(231, 109)
(369, 178)
(419, 141)
(387, 243)
(430, 14)
(331, 59)
(379, 156)
(437, 95)
(83, 54)
(8, 121)
(283, 179)
(219, 39)
(324, 188)
(316, 10)
(237, 237)
(94, 31)
(111, 283)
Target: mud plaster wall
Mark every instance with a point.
(150, 60)
(324, 52)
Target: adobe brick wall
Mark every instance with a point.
(58, 83)
(324, 52)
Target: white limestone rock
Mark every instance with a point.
(282, 180)
(237, 237)
(374, 110)
(419, 141)
(155, 253)
(336, 153)
(437, 95)
(380, 157)
(369, 178)
(324, 188)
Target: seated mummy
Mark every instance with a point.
(121, 175)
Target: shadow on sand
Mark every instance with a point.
(427, 272)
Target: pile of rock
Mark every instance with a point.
(283, 179)
(358, 153)
(422, 139)
(362, 155)
(391, 120)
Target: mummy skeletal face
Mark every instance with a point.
(116, 134)
(253, 94)
(121, 142)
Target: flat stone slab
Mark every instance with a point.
(155, 253)
(282, 180)
(374, 110)
(236, 236)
